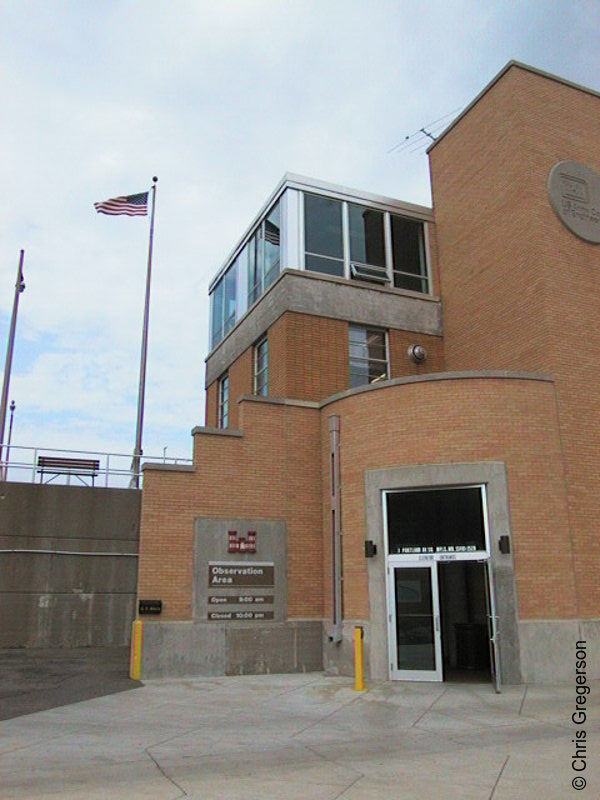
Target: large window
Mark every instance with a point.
(224, 305)
(263, 255)
(223, 410)
(368, 356)
(367, 244)
(323, 238)
(364, 244)
(255, 268)
(261, 367)
(408, 251)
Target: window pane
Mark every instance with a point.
(230, 282)
(217, 314)
(224, 402)
(408, 252)
(254, 270)
(366, 236)
(328, 266)
(261, 368)
(323, 226)
(272, 243)
(411, 282)
(368, 356)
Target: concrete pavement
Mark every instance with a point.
(282, 737)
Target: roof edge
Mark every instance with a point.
(496, 78)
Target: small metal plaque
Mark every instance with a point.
(149, 606)
(574, 194)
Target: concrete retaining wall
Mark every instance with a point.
(68, 565)
(176, 649)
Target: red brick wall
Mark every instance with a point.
(309, 360)
(272, 472)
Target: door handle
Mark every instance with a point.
(437, 623)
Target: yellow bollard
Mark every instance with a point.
(135, 662)
(359, 672)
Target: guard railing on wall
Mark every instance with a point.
(74, 467)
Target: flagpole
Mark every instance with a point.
(137, 452)
(19, 287)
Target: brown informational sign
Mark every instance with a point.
(231, 574)
(241, 599)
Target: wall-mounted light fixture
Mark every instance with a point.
(370, 549)
(417, 353)
(504, 545)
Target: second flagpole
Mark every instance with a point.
(137, 452)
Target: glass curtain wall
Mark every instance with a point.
(340, 238)
(261, 258)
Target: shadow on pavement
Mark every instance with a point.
(35, 680)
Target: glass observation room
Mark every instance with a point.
(313, 226)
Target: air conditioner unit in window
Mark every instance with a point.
(368, 272)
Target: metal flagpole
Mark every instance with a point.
(137, 452)
(19, 287)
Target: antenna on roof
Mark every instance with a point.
(420, 139)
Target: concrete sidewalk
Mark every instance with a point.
(282, 737)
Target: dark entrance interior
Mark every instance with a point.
(463, 612)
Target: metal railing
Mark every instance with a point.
(114, 470)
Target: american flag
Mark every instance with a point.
(134, 205)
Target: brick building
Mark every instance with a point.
(402, 427)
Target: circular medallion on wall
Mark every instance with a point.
(574, 193)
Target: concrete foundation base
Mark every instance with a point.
(176, 649)
(338, 657)
(549, 650)
(549, 647)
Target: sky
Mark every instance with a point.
(219, 100)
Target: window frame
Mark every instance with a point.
(251, 250)
(257, 256)
(260, 386)
(366, 360)
(370, 273)
(223, 401)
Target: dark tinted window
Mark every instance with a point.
(439, 520)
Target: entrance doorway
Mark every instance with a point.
(441, 609)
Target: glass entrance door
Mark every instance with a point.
(414, 622)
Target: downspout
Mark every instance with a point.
(336, 530)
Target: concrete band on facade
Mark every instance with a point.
(325, 296)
